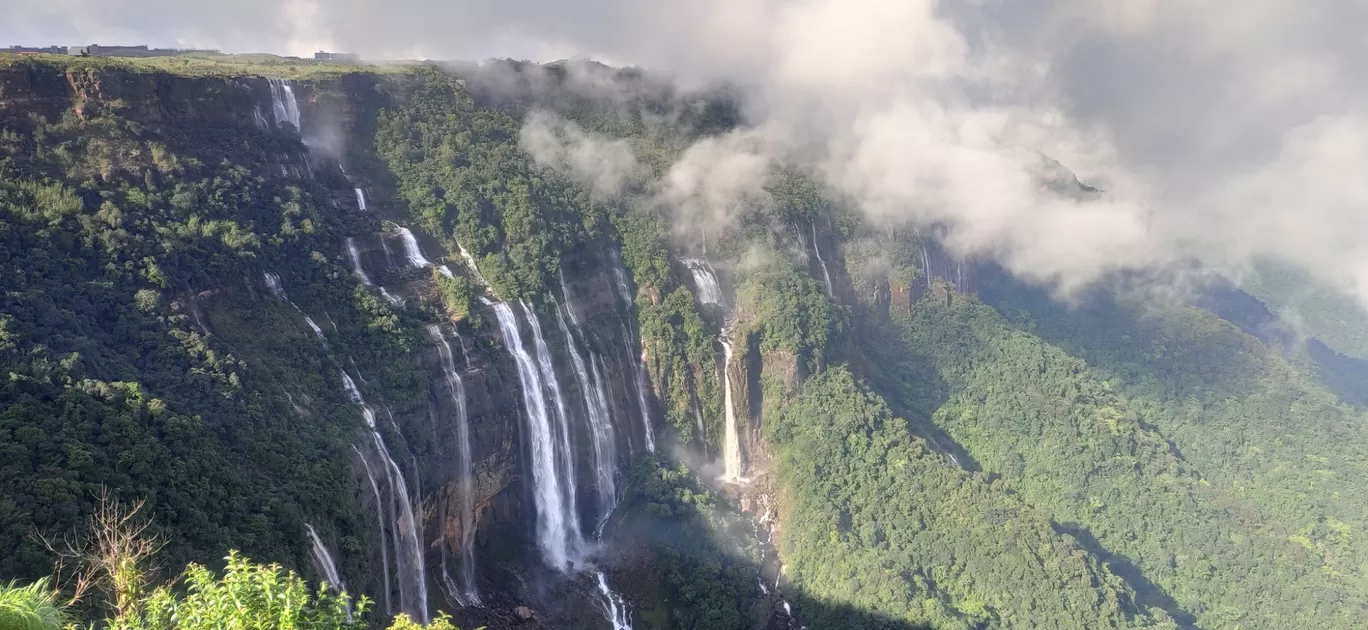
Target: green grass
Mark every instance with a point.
(32, 607)
(209, 64)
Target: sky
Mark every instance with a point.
(1221, 130)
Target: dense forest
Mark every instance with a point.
(182, 288)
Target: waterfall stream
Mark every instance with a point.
(600, 423)
(403, 522)
(731, 442)
(826, 276)
(356, 261)
(566, 450)
(411, 249)
(361, 198)
(554, 520)
(277, 290)
(638, 361)
(469, 593)
(283, 103)
(705, 279)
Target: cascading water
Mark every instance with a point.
(258, 119)
(614, 609)
(283, 103)
(380, 527)
(468, 592)
(600, 424)
(470, 262)
(356, 261)
(318, 332)
(361, 198)
(732, 464)
(273, 285)
(826, 276)
(327, 566)
(565, 459)
(638, 361)
(404, 523)
(323, 558)
(709, 292)
(411, 249)
(555, 522)
(620, 277)
(558, 532)
(276, 289)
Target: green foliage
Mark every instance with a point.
(466, 181)
(138, 346)
(247, 596)
(442, 622)
(876, 520)
(706, 574)
(1109, 469)
(679, 343)
(791, 312)
(456, 293)
(32, 607)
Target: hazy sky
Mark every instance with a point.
(1221, 129)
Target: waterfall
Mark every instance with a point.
(638, 361)
(258, 119)
(404, 522)
(392, 300)
(411, 249)
(731, 441)
(323, 558)
(600, 424)
(641, 387)
(380, 528)
(283, 103)
(318, 332)
(273, 285)
(709, 292)
(356, 261)
(620, 277)
(445, 270)
(328, 567)
(817, 250)
(276, 289)
(555, 523)
(567, 450)
(360, 198)
(470, 262)
(614, 609)
(926, 267)
(464, 464)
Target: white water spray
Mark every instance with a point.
(356, 261)
(826, 276)
(283, 103)
(600, 425)
(731, 441)
(709, 291)
(411, 249)
(566, 460)
(555, 522)
(614, 609)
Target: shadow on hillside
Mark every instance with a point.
(1148, 593)
(1171, 353)
(1345, 376)
(908, 382)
